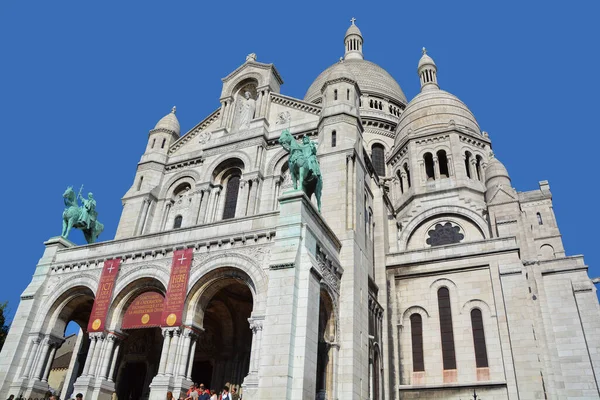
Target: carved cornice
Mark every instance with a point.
(330, 269)
(296, 104)
(472, 141)
(282, 266)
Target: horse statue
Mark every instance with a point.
(303, 165)
(83, 217)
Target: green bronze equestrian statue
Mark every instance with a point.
(303, 165)
(84, 217)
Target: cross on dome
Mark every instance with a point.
(173, 110)
(424, 50)
(352, 20)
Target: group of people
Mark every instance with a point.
(199, 392)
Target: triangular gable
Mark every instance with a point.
(253, 64)
(208, 124)
(502, 196)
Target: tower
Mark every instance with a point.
(139, 203)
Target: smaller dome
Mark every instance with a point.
(435, 109)
(353, 30)
(341, 71)
(425, 60)
(169, 122)
(495, 169)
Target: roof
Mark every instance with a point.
(371, 79)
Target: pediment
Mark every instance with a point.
(196, 137)
(263, 75)
(503, 196)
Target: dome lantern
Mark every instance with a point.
(427, 71)
(353, 42)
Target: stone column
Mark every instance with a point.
(422, 173)
(259, 107)
(204, 195)
(173, 351)
(276, 189)
(335, 349)
(95, 358)
(265, 103)
(256, 324)
(53, 347)
(113, 364)
(185, 352)
(165, 351)
(188, 374)
(41, 363)
(224, 110)
(143, 217)
(88, 358)
(240, 207)
(108, 355)
(436, 168)
(450, 166)
(166, 215)
(252, 198)
(220, 206)
(473, 168)
(32, 353)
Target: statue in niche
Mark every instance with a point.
(247, 109)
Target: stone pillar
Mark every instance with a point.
(242, 200)
(53, 347)
(450, 165)
(253, 197)
(88, 358)
(436, 168)
(256, 324)
(473, 168)
(41, 362)
(204, 195)
(108, 355)
(335, 349)
(276, 189)
(32, 353)
(95, 358)
(224, 110)
(422, 173)
(165, 351)
(166, 215)
(173, 351)
(113, 364)
(185, 352)
(259, 102)
(220, 206)
(143, 217)
(188, 374)
(483, 167)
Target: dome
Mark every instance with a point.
(371, 79)
(353, 30)
(169, 122)
(495, 169)
(435, 109)
(425, 60)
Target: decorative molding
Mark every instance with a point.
(472, 141)
(432, 139)
(329, 269)
(290, 102)
(184, 164)
(282, 266)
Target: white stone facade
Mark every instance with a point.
(422, 249)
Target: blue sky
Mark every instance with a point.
(81, 83)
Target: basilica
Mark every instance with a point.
(422, 273)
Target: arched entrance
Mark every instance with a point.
(140, 346)
(222, 354)
(327, 348)
(60, 362)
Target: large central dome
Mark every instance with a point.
(371, 79)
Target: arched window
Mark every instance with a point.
(468, 164)
(407, 174)
(162, 146)
(380, 106)
(333, 139)
(347, 94)
(416, 333)
(335, 94)
(178, 222)
(231, 195)
(539, 219)
(478, 160)
(443, 163)
(378, 158)
(481, 359)
(429, 174)
(153, 142)
(142, 180)
(370, 103)
(446, 331)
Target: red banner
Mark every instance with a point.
(145, 311)
(103, 295)
(177, 290)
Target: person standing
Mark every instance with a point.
(225, 393)
(234, 394)
(193, 394)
